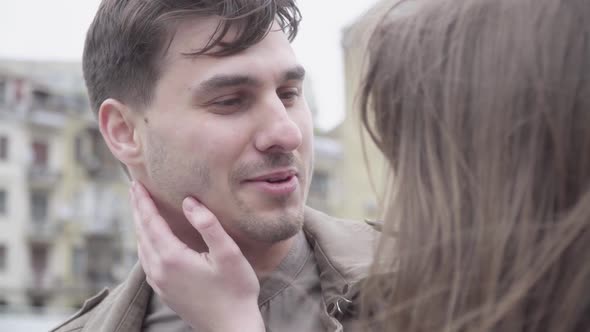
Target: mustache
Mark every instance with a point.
(268, 162)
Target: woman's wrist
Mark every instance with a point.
(242, 320)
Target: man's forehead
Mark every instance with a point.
(193, 35)
(274, 49)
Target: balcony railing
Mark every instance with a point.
(40, 284)
(46, 117)
(43, 175)
(43, 231)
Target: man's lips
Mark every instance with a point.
(276, 176)
(278, 183)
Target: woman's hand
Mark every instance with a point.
(211, 291)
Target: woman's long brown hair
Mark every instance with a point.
(482, 108)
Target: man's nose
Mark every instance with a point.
(278, 132)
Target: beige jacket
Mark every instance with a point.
(343, 250)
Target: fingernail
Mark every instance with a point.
(190, 204)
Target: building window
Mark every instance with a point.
(3, 202)
(40, 153)
(3, 258)
(3, 304)
(3, 148)
(39, 260)
(78, 148)
(19, 87)
(2, 92)
(40, 99)
(39, 205)
(319, 184)
(79, 262)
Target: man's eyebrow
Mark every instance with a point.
(295, 73)
(227, 81)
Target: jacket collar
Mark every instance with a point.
(344, 252)
(126, 307)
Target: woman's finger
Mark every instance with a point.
(222, 248)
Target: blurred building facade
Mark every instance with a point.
(65, 228)
(362, 171)
(324, 188)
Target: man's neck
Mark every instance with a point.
(265, 258)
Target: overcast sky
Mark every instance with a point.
(55, 29)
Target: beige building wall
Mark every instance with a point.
(363, 171)
(324, 189)
(94, 205)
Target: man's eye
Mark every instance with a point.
(289, 95)
(229, 102)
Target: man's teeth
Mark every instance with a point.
(277, 180)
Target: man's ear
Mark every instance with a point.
(117, 124)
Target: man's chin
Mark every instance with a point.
(273, 227)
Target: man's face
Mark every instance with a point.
(235, 132)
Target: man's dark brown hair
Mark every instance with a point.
(128, 38)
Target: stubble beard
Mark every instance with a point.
(271, 229)
(281, 225)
